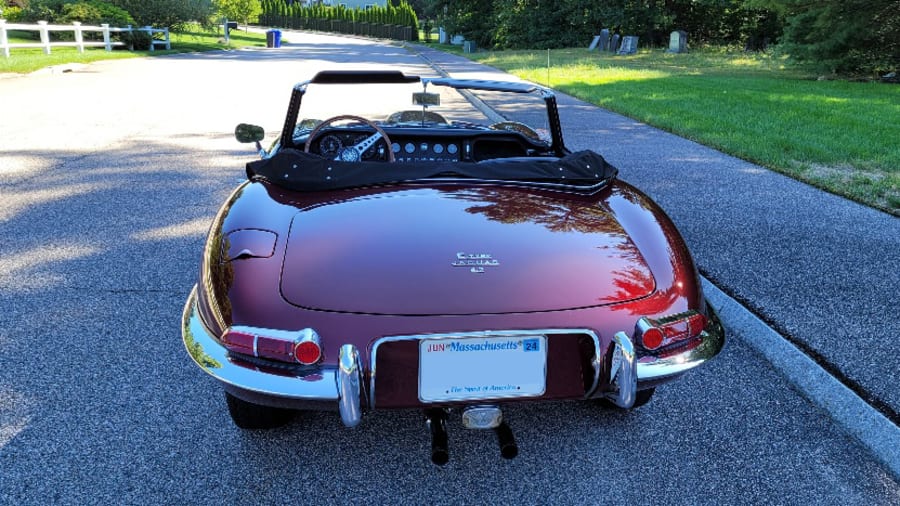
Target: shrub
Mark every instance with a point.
(40, 11)
(13, 14)
(167, 13)
(95, 12)
(138, 41)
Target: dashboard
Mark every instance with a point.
(411, 145)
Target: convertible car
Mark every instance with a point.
(413, 255)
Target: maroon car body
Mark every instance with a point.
(440, 284)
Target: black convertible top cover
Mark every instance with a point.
(300, 171)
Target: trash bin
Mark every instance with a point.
(273, 38)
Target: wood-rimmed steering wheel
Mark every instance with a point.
(353, 153)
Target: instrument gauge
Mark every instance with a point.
(376, 151)
(330, 145)
(452, 149)
(438, 148)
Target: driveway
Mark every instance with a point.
(111, 174)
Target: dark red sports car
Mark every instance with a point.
(420, 257)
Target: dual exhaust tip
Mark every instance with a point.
(474, 417)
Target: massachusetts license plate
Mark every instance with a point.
(456, 369)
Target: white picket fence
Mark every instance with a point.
(79, 30)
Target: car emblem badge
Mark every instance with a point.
(476, 262)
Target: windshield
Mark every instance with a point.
(358, 129)
(407, 101)
(381, 102)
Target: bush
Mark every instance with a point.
(167, 13)
(95, 12)
(845, 37)
(40, 10)
(138, 41)
(13, 14)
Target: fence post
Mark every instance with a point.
(79, 39)
(105, 27)
(168, 42)
(4, 42)
(45, 36)
(150, 34)
(130, 31)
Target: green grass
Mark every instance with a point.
(840, 136)
(190, 40)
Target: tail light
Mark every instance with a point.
(307, 352)
(654, 334)
(299, 346)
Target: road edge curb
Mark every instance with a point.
(858, 419)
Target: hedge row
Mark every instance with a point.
(396, 22)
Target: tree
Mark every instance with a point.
(166, 13)
(474, 19)
(239, 10)
(572, 23)
(842, 36)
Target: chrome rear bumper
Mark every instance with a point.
(342, 387)
(654, 370)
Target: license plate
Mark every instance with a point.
(456, 369)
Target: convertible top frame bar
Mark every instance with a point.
(397, 77)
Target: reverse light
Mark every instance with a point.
(653, 334)
(298, 346)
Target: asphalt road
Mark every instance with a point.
(110, 176)
(820, 269)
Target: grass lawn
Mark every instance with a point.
(840, 136)
(190, 40)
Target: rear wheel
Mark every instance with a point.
(247, 415)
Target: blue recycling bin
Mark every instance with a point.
(273, 38)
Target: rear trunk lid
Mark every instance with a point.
(490, 250)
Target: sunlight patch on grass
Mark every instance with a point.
(747, 105)
(581, 73)
(193, 38)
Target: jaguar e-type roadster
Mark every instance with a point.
(415, 256)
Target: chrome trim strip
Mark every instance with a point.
(651, 368)
(596, 364)
(348, 385)
(212, 357)
(626, 377)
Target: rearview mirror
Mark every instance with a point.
(426, 99)
(245, 133)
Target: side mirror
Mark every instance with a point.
(245, 133)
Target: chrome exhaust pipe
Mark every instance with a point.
(508, 447)
(437, 422)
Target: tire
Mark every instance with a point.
(642, 397)
(247, 415)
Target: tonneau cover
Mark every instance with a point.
(296, 170)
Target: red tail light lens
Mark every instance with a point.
(301, 346)
(655, 334)
(307, 352)
(241, 342)
(653, 338)
(274, 348)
